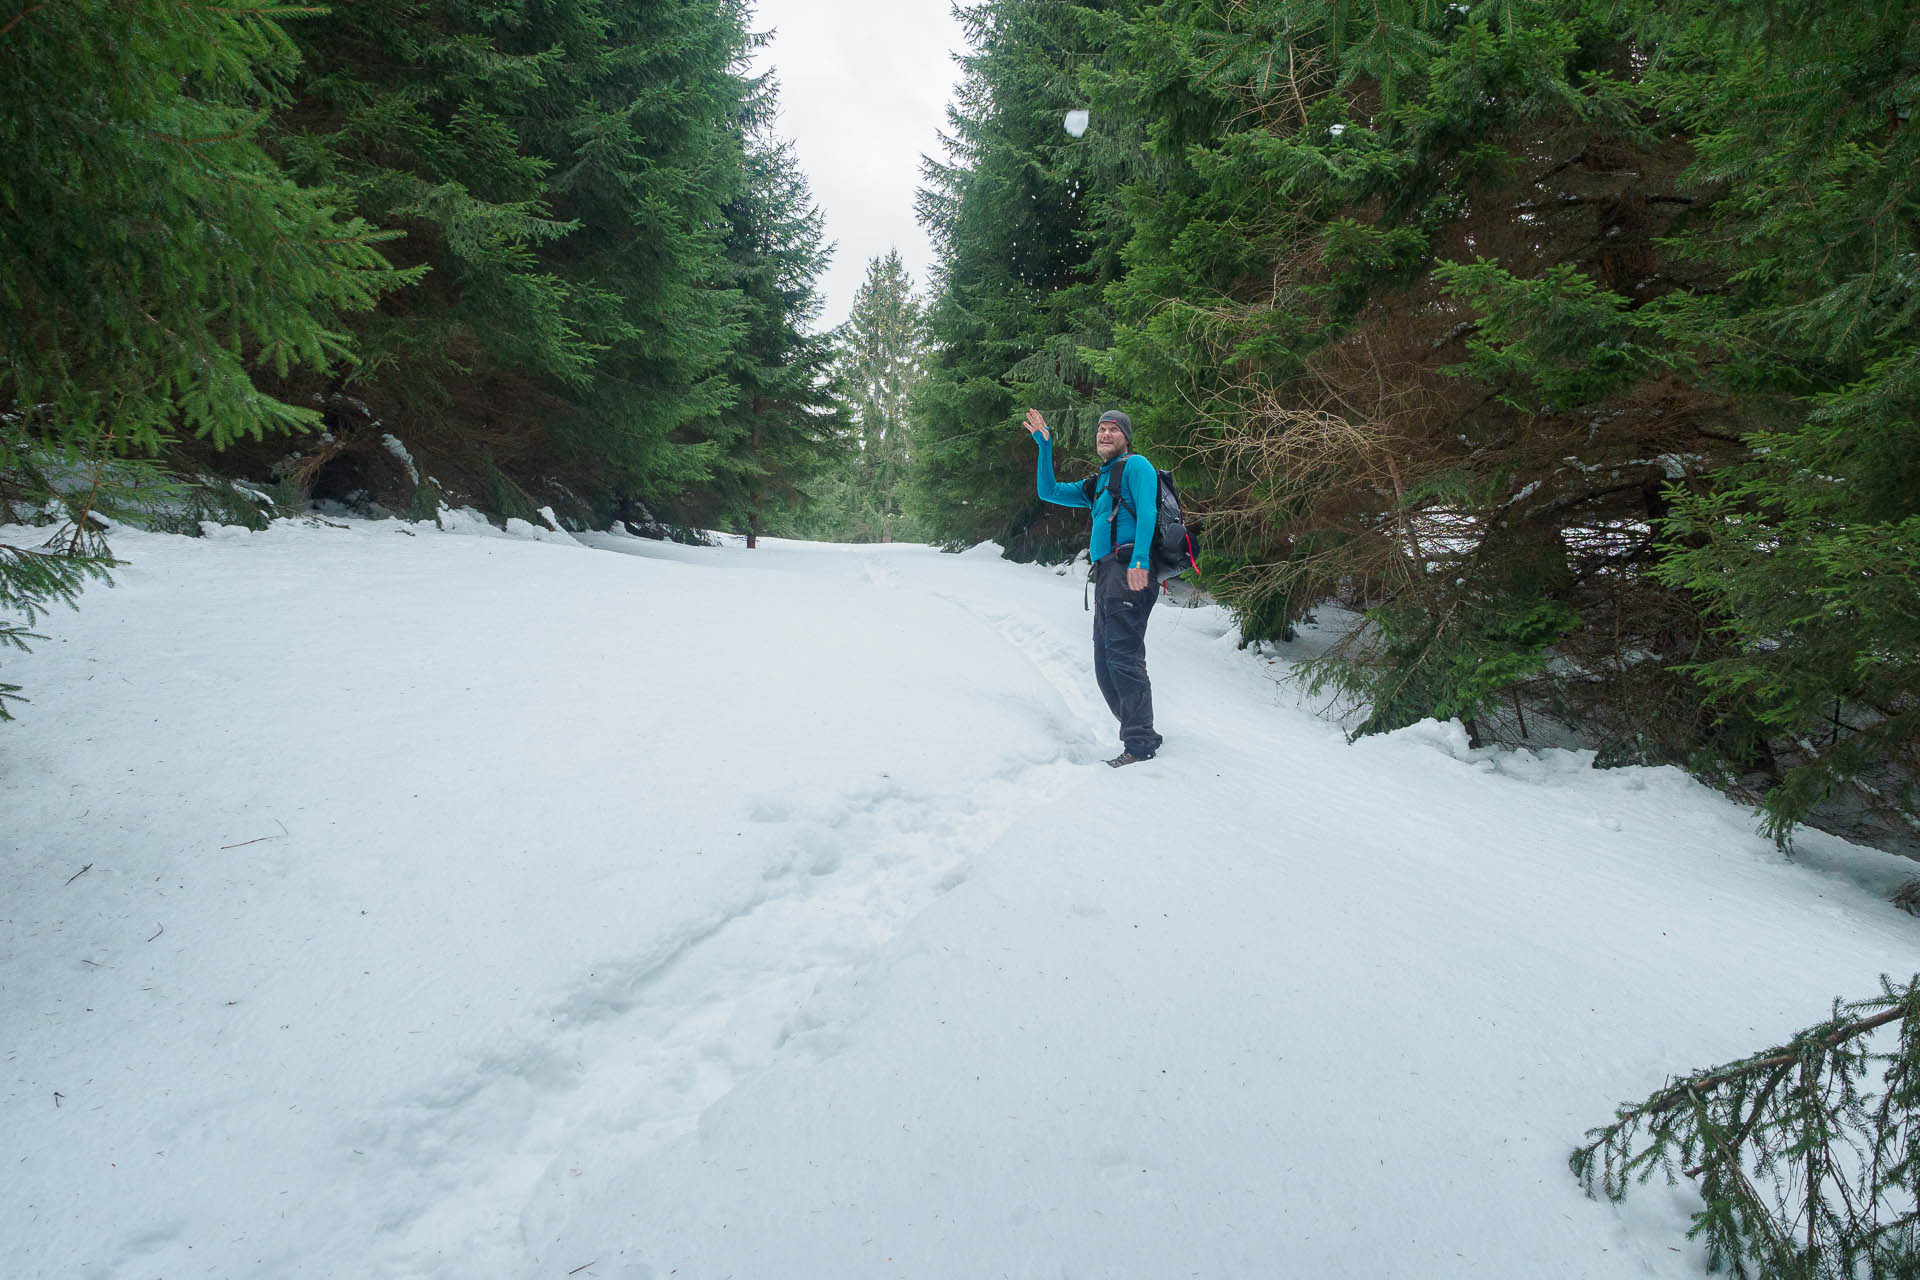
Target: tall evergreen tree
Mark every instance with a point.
(783, 426)
(420, 110)
(647, 163)
(880, 359)
(1807, 550)
(153, 258)
(1021, 265)
(153, 253)
(564, 170)
(1389, 287)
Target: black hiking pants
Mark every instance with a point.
(1120, 652)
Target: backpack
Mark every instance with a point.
(1174, 548)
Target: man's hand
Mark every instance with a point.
(1037, 425)
(1136, 579)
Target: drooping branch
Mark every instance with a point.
(1804, 1178)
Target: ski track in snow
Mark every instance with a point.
(1067, 669)
(696, 1002)
(651, 1041)
(637, 1049)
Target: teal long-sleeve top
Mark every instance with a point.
(1143, 494)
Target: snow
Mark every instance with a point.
(384, 901)
(393, 445)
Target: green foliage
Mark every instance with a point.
(1453, 664)
(506, 498)
(649, 143)
(1805, 1174)
(879, 362)
(1804, 551)
(566, 171)
(30, 580)
(557, 191)
(151, 252)
(212, 498)
(423, 504)
(781, 429)
(411, 109)
(1557, 339)
(1020, 215)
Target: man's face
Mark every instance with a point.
(1110, 441)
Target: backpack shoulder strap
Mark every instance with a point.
(1120, 487)
(1118, 484)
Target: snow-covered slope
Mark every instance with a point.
(381, 902)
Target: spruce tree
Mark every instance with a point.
(1017, 291)
(782, 428)
(154, 263)
(648, 155)
(153, 253)
(881, 353)
(564, 171)
(419, 111)
(1806, 551)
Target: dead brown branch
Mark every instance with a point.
(20, 17)
(244, 843)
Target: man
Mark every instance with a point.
(1123, 591)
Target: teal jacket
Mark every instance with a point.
(1143, 493)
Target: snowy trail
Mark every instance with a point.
(1040, 644)
(469, 905)
(642, 1050)
(626, 1002)
(639, 1054)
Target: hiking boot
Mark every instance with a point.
(1127, 757)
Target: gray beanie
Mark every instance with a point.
(1120, 420)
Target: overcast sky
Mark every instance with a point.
(864, 87)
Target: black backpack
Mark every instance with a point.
(1174, 549)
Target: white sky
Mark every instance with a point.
(864, 86)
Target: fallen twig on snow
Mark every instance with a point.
(244, 843)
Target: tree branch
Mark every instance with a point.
(21, 16)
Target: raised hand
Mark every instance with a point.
(1037, 425)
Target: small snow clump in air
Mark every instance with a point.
(1077, 122)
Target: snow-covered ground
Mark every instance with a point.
(384, 902)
